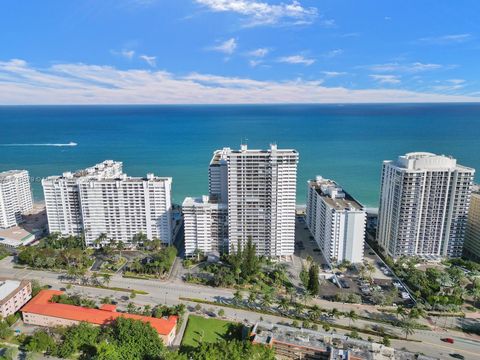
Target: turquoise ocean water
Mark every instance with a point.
(343, 142)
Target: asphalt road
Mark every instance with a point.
(169, 292)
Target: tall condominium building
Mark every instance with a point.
(251, 196)
(471, 247)
(62, 196)
(15, 197)
(206, 226)
(424, 205)
(103, 200)
(336, 221)
(259, 187)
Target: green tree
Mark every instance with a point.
(352, 316)
(334, 313)
(313, 281)
(408, 327)
(238, 297)
(283, 304)
(40, 342)
(135, 340)
(106, 279)
(250, 265)
(386, 341)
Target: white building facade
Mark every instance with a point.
(206, 226)
(102, 200)
(254, 193)
(261, 197)
(336, 221)
(15, 197)
(424, 205)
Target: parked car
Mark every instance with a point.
(448, 340)
(457, 356)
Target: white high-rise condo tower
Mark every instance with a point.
(251, 196)
(259, 187)
(206, 227)
(103, 201)
(424, 205)
(336, 221)
(15, 197)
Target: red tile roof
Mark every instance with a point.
(41, 305)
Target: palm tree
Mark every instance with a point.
(237, 297)
(266, 300)
(252, 297)
(408, 327)
(94, 278)
(315, 313)
(400, 311)
(98, 242)
(306, 296)
(475, 293)
(283, 304)
(334, 313)
(417, 312)
(298, 308)
(352, 316)
(106, 278)
(120, 247)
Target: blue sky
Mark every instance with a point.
(238, 51)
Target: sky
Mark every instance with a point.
(238, 51)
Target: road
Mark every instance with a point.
(169, 292)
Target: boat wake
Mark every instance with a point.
(71, 143)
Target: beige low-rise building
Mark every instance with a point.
(13, 295)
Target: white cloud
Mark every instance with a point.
(447, 39)
(296, 59)
(333, 73)
(227, 47)
(150, 60)
(408, 67)
(333, 53)
(456, 81)
(262, 13)
(21, 83)
(260, 53)
(451, 85)
(128, 54)
(386, 79)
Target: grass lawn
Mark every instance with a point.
(200, 329)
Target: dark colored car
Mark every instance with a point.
(457, 356)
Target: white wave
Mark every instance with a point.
(71, 143)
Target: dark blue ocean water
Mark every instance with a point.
(343, 142)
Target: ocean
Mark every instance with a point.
(346, 143)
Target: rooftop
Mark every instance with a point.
(105, 169)
(7, 287)
(334, 195)
(420, 161)
(338, 345)
(16, 236)
(41, 305)
(10, 173)
(220, 156)
(203, 201)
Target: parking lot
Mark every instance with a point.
(350, 281)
